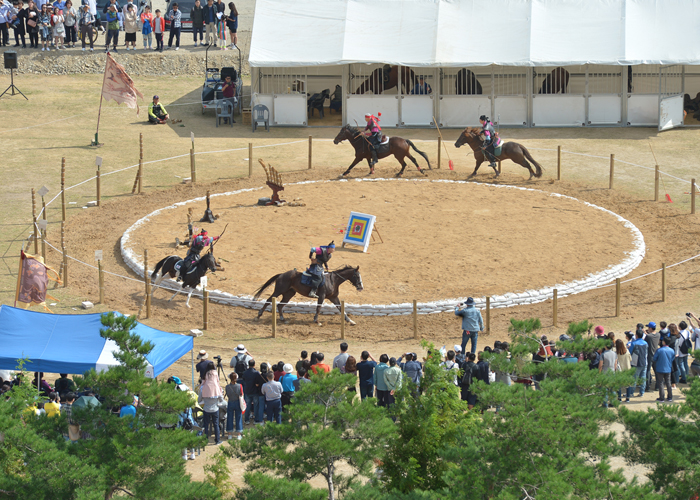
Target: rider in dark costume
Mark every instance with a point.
(319, 259)
(491, 140)
(375, 136)
(198, 244)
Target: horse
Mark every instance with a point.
(375, 82)
(510, 151)
(397, 146)
(289, 284)
(189, 280)
(555, 82)
(466, 83)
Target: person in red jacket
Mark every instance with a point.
(158, 24)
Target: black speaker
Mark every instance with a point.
(10, 60)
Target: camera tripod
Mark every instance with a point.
(220, 368)
(13, 87)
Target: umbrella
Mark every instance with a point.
(86, 401)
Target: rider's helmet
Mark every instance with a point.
(483, 118)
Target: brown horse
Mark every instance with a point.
(396, 146)
(376, 84)
(289, 284)
(555, 82)
(467, 84)
(511, 151)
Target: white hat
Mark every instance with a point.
(202, 355)
(368, 114)
(458, 348)
(240, 348)
(287, 368)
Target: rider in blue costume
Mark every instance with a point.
(319, 259)
(491, 140)
(198, 244)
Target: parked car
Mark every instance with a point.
(185, 6)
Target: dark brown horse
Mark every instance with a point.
(289, 284)
(555, 82)
(510, 151)
(466, 83)
(396, 146)
(376, 84)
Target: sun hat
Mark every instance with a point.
(599, 330)
(287, 368)
(470, 301)
(458, 348)
(240, 349)
(202, 355)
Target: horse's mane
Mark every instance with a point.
(352, 129)
(473, 131)
(344, 268)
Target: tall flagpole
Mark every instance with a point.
(104, 77)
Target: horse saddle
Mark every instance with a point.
(180, 263)
(307, 278)
(385, 140)
(498, 149)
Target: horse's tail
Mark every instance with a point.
(157, 268)
(267, 283)
(538, 167)
(419, 152)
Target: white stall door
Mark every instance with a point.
(510, 110)
(359, 105)
(289, 109)
(558, 111)
(670, 112)
(463, 110)
(417, 110)
(643, 110)
(604, 109)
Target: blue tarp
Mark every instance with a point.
(71, 343)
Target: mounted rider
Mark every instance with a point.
(375, 135)
(197, 244)
(319, 259)
(491, 140)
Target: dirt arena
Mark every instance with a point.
(437, 237)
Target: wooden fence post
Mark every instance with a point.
(147, 280)
(63, 189)
(140, 174)
(193, 168)
(439, 151)
(274, 317)
(99, 194)
(488, 314)
(205, 309)
(558, 163)
(310, 150)
(64, 275)
(656, 183)
(617, 297)
(555, 307)
(612, 170)
(415, 319)
(101, 282)
(342, 320)
(663, 282)
(250, 159)
(43, 231)
(36, 231)
(692, 196)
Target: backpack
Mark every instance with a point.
(468, 375)
(686, 346)
(240, 365)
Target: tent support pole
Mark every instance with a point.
(192, 353)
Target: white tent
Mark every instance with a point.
(294, 40)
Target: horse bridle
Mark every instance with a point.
(344, 279)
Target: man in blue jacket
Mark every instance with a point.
(472, 323)
(639, 360)
(663, 361)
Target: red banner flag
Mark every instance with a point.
(32, 281)
(118, 86)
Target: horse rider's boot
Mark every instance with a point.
(374, 156)
(313, 293)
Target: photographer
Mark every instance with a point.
(239, 362)
(472, 323)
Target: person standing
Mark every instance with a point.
(158, 25)
(392, 378)
(468, 369)
(147, 27)
(175, 17)
(623, 361)
(86, 23)
(608, 363)
(365, 370)
(210, 396)
(340, 360)
(234, 393)
(113, 29)
(472, 323)
(273, 398)
(33, 24)
(378, 380)
(19, 20)
(287, 380)
(5, 19)
(250, 391)
(320, 366)
(131, 26)
(639, 362)
(59, 30)
(652, 339)
(684, 347)
(45, 27)
(70, 16)
(209, 12)
(197, 18)
(232, 24)
(260, 402)
(202, 362)
(663, 362)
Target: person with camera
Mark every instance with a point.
(239, 362)
(472, 323)
(685, 346)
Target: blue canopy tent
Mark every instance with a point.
(71, 343)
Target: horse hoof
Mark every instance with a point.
(351, 322)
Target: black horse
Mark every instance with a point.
(396, 146)
(189, 280)
(289, 284)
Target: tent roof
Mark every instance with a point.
(71, 343)
(456, 33)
